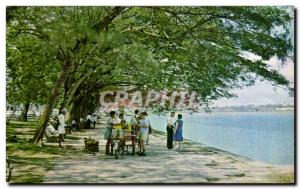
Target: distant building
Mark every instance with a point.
(285, 109)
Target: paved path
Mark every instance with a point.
(196, 163)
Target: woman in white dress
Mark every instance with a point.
(61, 127)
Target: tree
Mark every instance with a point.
(202, 49)
(30, 77)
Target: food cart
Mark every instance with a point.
(122, 140)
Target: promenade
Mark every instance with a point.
(195, 163)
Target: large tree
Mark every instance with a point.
(202, 49)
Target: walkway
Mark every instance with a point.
(196, 163)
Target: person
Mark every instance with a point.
(149, 129)
(93, 120)
(61, 127)
(74, 125)
(178, 131)
(122, 120)
(113, 120)
(50, 131)
(88, 121)
(144, 130)
(134, 122)
(170, 130)
(135, 127)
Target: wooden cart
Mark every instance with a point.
(122, 140)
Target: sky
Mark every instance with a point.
(263, 92)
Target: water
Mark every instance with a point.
(267, 137)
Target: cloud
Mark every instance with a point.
(287, 69)
(263, 92)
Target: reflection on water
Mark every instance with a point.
(267, 137)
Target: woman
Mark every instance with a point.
(113, 120)
(61, 127)
(178, 131)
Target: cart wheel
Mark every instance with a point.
(117, 154)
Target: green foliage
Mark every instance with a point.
(191, 48)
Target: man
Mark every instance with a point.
(134, 121)
(113, 120)
(144, 130)
(170, 130)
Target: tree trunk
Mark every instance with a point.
(24, 113)
(38, 136)
(100, 26)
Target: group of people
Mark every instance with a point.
(174, 130)
(59, 123)
(60, 132)
(139, 124)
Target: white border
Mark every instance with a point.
(4, 3)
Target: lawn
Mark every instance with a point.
(30, 162)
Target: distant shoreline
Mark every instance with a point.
(203, 112)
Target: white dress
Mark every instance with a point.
(61, 127)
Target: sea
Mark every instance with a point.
(260, 136)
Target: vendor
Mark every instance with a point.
(122, 120)
(113, 120)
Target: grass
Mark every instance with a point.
(281, 178)
(30, 162)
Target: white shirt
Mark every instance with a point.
(113, 121)
(73, 122)
(89, 117)
(61, 119)
(50, 131)
(171, 120)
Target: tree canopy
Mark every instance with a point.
(86, 50)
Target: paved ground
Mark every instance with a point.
(196, 163)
